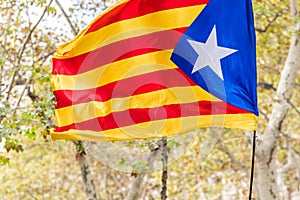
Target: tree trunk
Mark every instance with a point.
(84, 164)
(135, 187)
(266, 151)
(87, 179)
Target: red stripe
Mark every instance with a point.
(125, 88)
(136, 8)
(166, 39)
(136, 116)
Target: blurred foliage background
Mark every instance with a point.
(34, 167)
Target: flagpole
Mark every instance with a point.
(164, 158)
(252, 164)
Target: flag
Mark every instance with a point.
(153, 68)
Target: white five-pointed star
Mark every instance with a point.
(210, 54)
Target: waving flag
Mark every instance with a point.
(153, 68)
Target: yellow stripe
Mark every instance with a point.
(158, 21)
(68, 45)
(168, 127)
(85, 111)
(122, 69)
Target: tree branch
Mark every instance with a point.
(16, 69)
(135, 187)
(294, 107)
(23, 92)
(270, 22)
(75, 32)
(117, 183)
(232, 157)
(3, 45)
(31, 31)
(265, 85)
(263, 113)
(8, 23)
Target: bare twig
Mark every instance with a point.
(293, 136)
(3, 44)
(117, 183)
(106, 184)
(164, 154)
(270, 22)
(23, 49)
(294, 107)
(31, 31)
(265, 29)
(10, 11)
(75, 31)
(263, 113)
(267, 86)
(232, 157)
(41, 59)
(22, 93)
(31, 195)
(6, 51)
(44, 58)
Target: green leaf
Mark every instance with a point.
(41, 3)
(122, 161)
(4, 160)
(30, 133)
(51, 10)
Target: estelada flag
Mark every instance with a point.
(153, 68)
